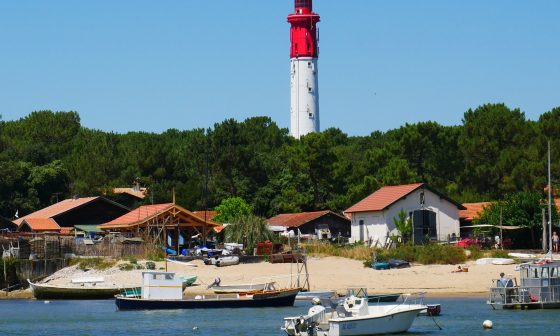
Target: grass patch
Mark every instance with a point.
(499, 254)
(424, 254)
(92, 263)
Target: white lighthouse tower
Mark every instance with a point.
(304, 84)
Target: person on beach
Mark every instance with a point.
(555, 241)
(498, 242)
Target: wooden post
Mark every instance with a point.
(45, 251)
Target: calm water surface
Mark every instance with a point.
(460, 316)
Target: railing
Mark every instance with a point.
(500, 295)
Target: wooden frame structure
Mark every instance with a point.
(159, 221)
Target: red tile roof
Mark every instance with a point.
(42, 224)
(383, 198)
(145, 213)
(472, 210)
(210, 214)
(66, 230)
(298, 219)
(139, 214)
(57, 208)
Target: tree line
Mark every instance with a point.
(496, 151)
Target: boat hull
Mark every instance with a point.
(277, 299)
(361, 326)
(43, 292)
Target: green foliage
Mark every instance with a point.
(496, 151)
(150, 265)
(232, 208)
(92, 263)
(499, 254)
(424, 254)
(248, 230)
(519, 209)
(132, 260)
(403, 224)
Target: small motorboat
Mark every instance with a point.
(380, 265)
(222, 261)
(227, 261)
(397, 263)
(353, 317)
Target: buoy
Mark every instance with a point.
(487, 324)
(47, 301)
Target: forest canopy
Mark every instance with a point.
(48, 156)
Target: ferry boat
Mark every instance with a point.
(538, 288)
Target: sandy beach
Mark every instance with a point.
(324, 273)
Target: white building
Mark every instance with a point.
(434, 216)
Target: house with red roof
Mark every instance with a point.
(319, 224)
(434, 216)
(63, 216)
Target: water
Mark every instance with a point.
(460, 316)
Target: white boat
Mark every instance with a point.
(495, 261)
(310, 295)
(222, 261)
(227, 261)
(354, 317)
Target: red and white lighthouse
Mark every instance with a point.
(304, 84)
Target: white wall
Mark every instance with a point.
(379, 223)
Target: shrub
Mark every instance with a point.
(92, 263)
(499, 254)
(132, 260)
(126, 267)
(150, 265)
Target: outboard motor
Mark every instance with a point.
(215, 283)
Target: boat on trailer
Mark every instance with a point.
(538, 288)
(162, 290)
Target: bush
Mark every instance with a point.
(150, 265)
(132, 260)
(126, 267)
(499, 254)
(92, 263)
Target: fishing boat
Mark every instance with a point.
(74, 291)
(353, 317)
(222, 261)
(162, 290)
(217, 288)
(538, 288)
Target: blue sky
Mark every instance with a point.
(133, 65)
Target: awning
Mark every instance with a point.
(88, 228)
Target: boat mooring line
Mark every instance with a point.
(434, 319)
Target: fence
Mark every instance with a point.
(36, 256)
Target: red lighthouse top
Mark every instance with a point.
(303, 33)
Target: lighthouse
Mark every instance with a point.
(304, 84)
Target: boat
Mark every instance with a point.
(538, 288)
(162, 290)
(222, 261)
(217, 288)
(227, 261)
(310, 295)
(188, 280)
(354, 316)
(83, 291)
(398, 263)
(495, 261)
(379, 265)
